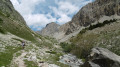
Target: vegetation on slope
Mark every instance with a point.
(7, 56)
(104, 34)
(91, 27)
(11, 21)
(107, 38)
(67, 47)
(30, 63)
(2, 30)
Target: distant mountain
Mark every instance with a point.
(50, 29)
(97, 11)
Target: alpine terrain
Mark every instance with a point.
(90, 39)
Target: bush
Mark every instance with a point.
(67, 47)
(1, 21)
(51, 52)
(2, 31)
(83, 30)
(82, 51)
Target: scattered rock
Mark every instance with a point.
(70, 60)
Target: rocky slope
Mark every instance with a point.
(106, 36)
(44, 54)
(11, 21)
(98, 11)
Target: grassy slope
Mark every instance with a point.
(11, 21)
(18, 29)
(7, 56)
(107, 36)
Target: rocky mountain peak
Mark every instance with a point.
(50, 29)
(52, 24)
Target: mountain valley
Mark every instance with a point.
(90, 38)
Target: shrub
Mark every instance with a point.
(83, 30)
(1, 21)
(51, 52)
(2, 30)
(67, 47)
(82, 51)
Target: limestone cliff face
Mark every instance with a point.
(92, 13)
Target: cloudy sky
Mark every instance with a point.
(38, 13)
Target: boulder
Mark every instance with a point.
(100, 57)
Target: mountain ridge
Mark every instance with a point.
(87, 15)
(13, 22)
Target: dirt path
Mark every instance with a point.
(19, 61)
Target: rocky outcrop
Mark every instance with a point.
(50, 29)
(97, 11)
(100, 57)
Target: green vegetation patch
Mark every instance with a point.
(51, 52)
(67, 47)
(1, 21)
(84, 44)
(7, 56)
(1, 28)
(91, 27)
(17, 39)
(30, 63)
(45, 44)
(54, 59)
(3, 31)
(18, 54)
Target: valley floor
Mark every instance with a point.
(13, 55)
